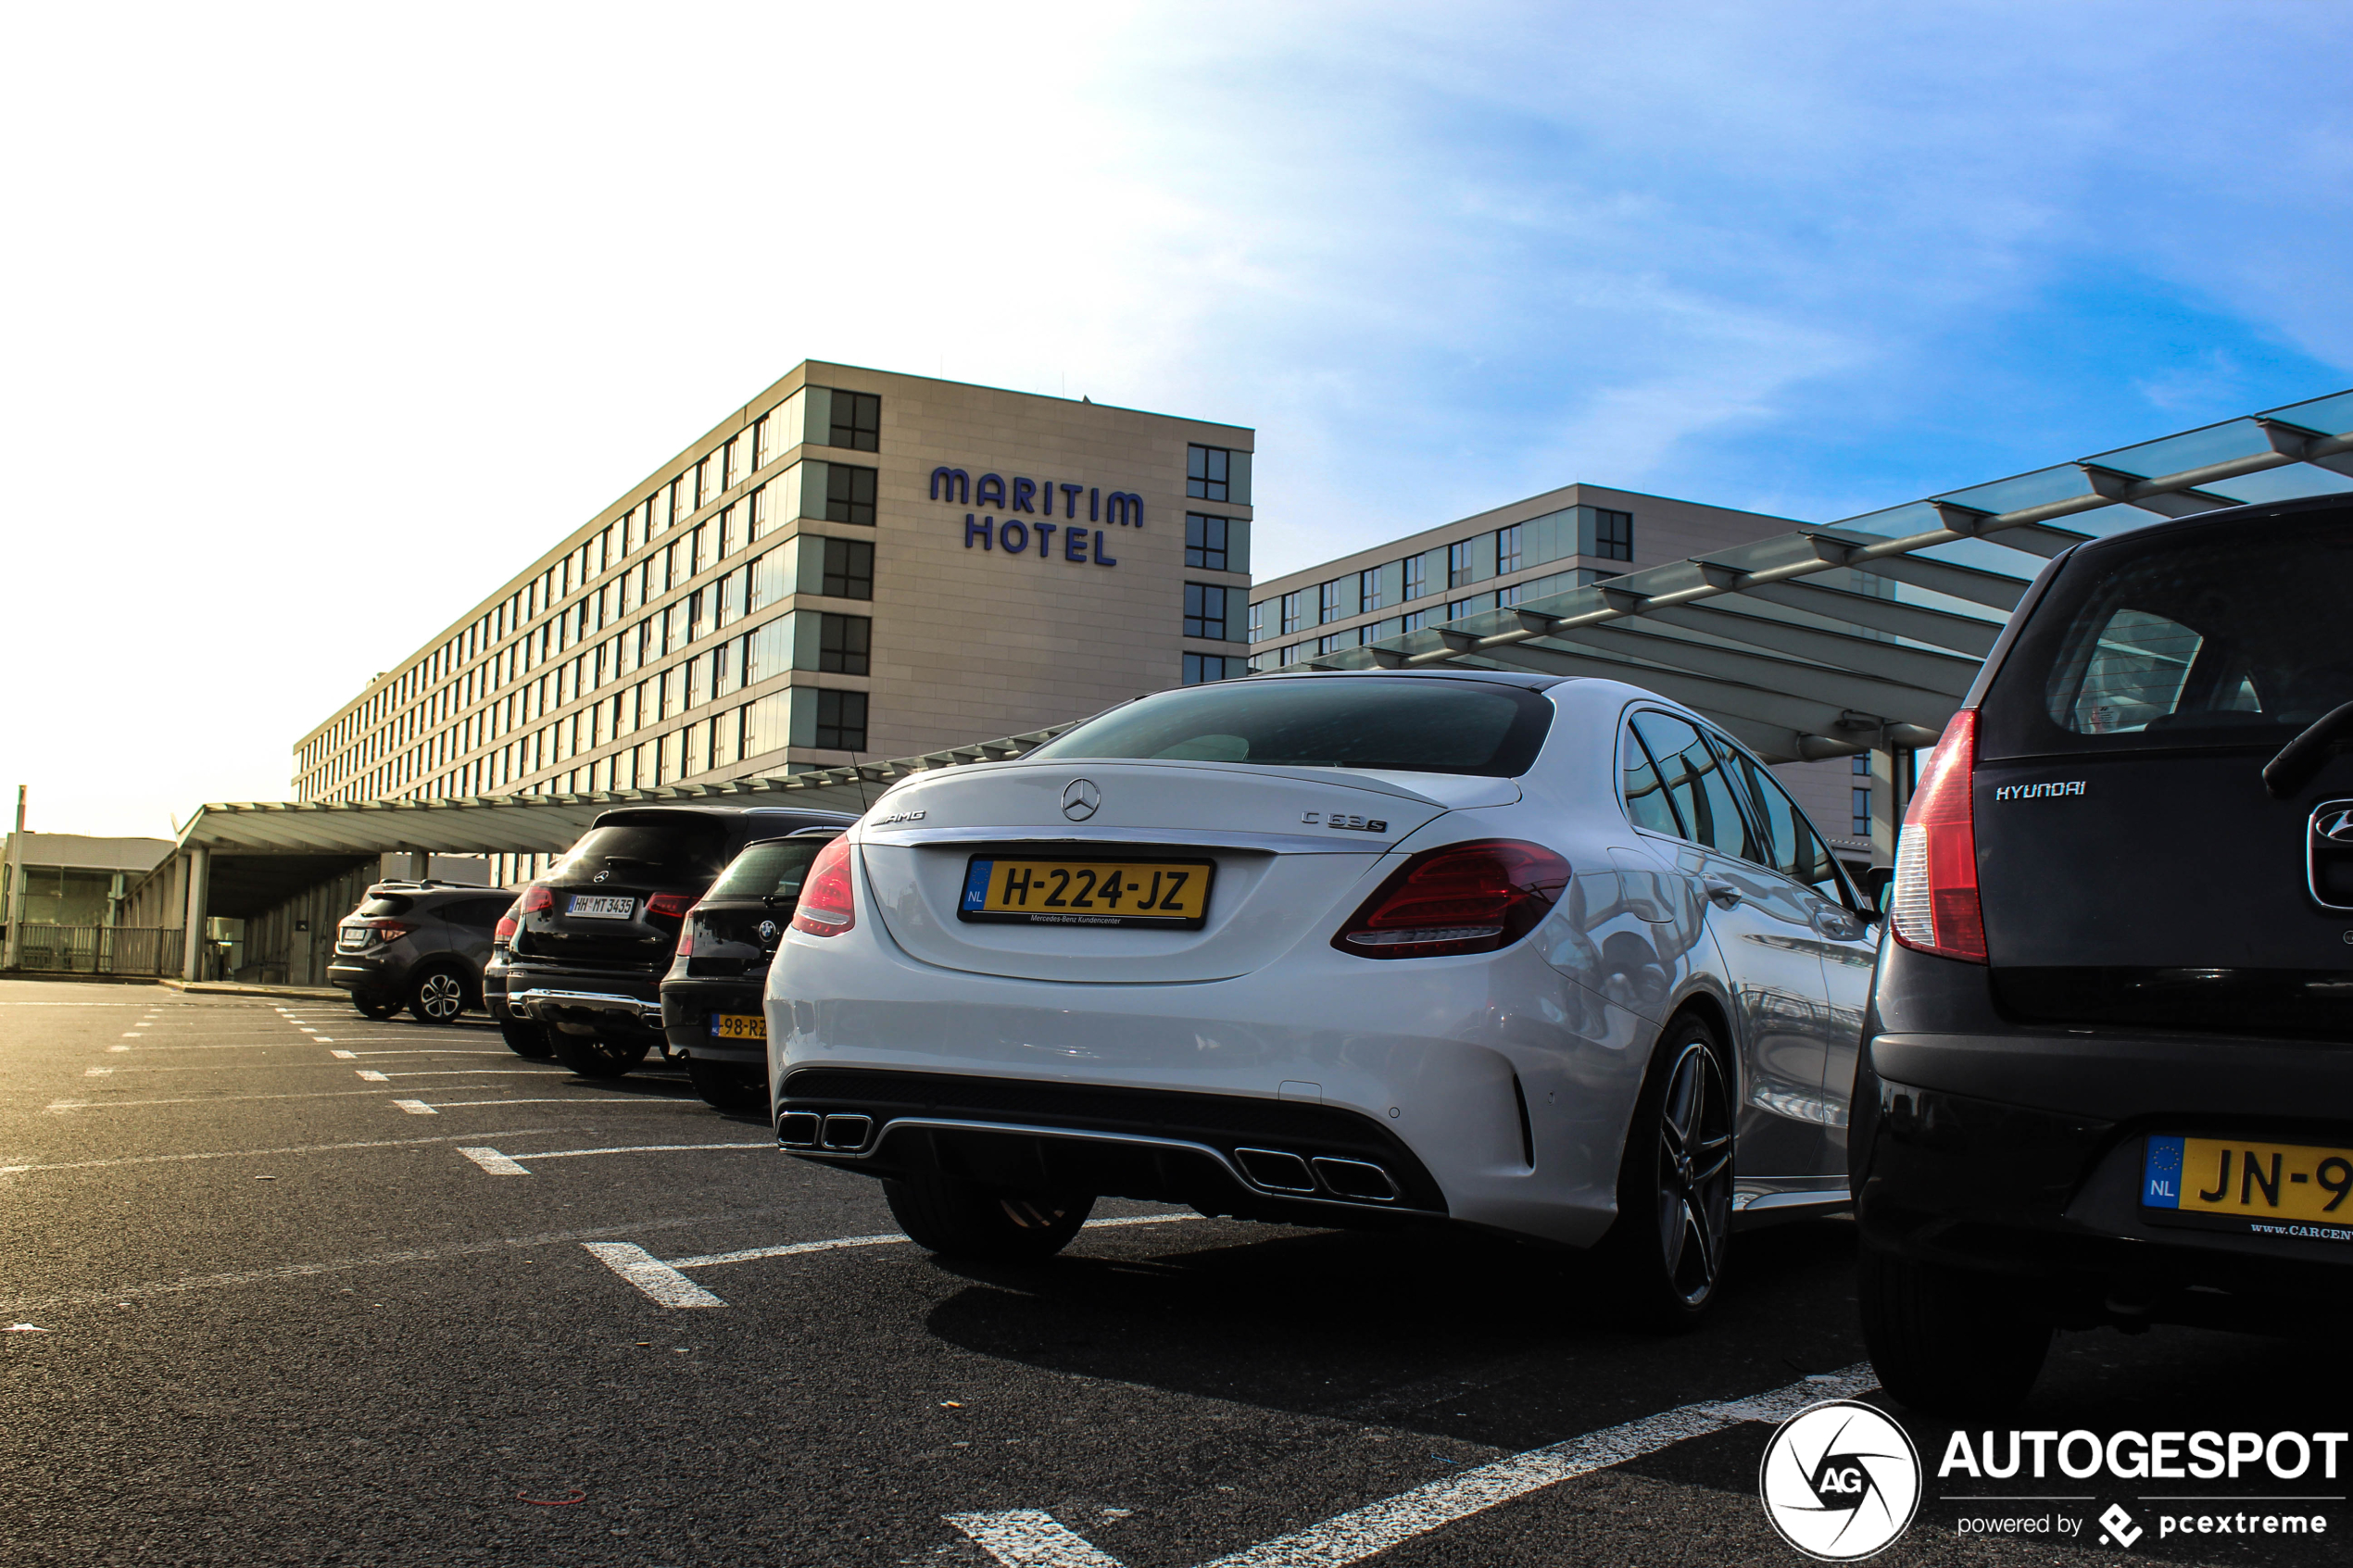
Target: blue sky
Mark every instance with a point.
(326, 321)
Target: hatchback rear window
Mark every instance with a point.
(770, 870)
(1401, 723)
(2221, 637)
(383, 904)
(686, 848)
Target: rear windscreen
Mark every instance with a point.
(381, 905)
(681, 849)
(1403, 723)
(772, 870)
(2220, 637)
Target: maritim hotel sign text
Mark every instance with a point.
(1015, 534)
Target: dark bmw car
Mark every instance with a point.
(2108, 1075)
(710, 999)
(580, 977)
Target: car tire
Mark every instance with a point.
(729, 1086)
(597, 1057)
(373, 1009)
(1947, 1342)
(1669, 1248)
(525, 1038)
(959, 1219)
(437, 996)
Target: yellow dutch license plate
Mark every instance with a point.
(2260, 1188)
(1075, 892)
(739, 1027)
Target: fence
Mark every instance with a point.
(101, 949)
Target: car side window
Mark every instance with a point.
(481, 912)
(1794, 849)
(1646, 802)
(1696, 782)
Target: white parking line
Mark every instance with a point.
(550, 1071)
(416, 1107)
(680, 1101)
(662, 1280)
(223, 1099)
(344, 1056)
(445, 1050)
(246, 1153)
(501, 1164)
(368, 1076)
(1028, 1538)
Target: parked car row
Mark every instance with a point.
(1557, 959)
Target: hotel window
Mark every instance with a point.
(1205, 542)
(1509, 596)
(850, 495)
(1202, 668)
(1209, 474)
(849, 569)
(1328, 645)
(1507, 555)
(1369, 590)
(1257, 621)
(735, 460)
(841, 721)
(843, 643)
(1459, 564)
(1416, 577)
(1613, 534)
(857, 421)
(1328, 602)
(1205, 611)
(1290, 622)
(1862, 811)
(1416, 622)
(705, 477)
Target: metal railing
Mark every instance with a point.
(101, 950)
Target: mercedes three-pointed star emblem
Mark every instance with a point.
(1080, 799)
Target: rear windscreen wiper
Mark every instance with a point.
(2301, 758)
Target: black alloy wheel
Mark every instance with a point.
(437, 997)
(729, 1086)
(1947, 1343)
(525, 1038)
(958, 1219)
(1675, 1187)
(594, 1056)
(371, 1008)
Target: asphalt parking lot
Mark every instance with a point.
(284, 1285)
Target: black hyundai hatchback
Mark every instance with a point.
(712, 998)
(581, 974)
(2108, 1075)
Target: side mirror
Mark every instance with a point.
(1876, 882)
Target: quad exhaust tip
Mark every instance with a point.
(1358, 1179)
(845, 1134)
(841, 1133)
(797, 1129)
(1275, 1170)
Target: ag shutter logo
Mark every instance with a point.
(1840, 1481)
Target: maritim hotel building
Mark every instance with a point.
(853, 565)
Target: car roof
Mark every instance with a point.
(722, 810)
(1532, 681)
(2222, 516)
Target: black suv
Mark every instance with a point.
(2108, 1075)
(710, 999)
(419, 945)
(580, 975)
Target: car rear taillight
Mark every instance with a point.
(1934, 907)
(1459, 898)
(538, 900)
(686, 934)
(387, 929)
(670, 906)
(506, 932)
(826, 909)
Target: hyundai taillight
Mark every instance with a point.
(670, 906)
(538, 900)
(1934, 907)
(388, 929)
(1460, 898)
(826, 909)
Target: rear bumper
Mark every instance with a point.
(2020, 1154)
(1256, 1158)
(363, 979)
(604, 1004)
(688, 1006)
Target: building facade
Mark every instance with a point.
(853, 564)
(1561, 539)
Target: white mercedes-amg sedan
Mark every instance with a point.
(1551, 958)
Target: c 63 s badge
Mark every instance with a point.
(1840, 1481)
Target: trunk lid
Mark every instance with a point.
(617, 900)
(1284, 848)
(2133, 868)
